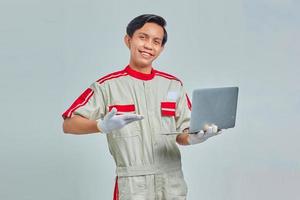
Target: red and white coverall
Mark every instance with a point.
(147, 157)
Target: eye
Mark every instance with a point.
(156, 42)
(142, 37)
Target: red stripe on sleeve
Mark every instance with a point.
(166, 75)
(109, 75)
(116, 190)
(80, 101)
(188, 101)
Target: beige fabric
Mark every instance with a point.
(166, 186)
(142, 147)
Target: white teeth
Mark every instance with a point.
(146, 54)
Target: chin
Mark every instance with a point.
(144, 64)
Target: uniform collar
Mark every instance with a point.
(139, 75)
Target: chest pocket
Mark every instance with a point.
(125, 108)
(125, 143)
(130, 129)
(168, 113)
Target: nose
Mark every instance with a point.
(148, 45)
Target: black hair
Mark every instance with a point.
(139, 22)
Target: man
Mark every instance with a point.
(138, 108)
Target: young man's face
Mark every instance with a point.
(145, 45)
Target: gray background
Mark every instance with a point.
(52, 50)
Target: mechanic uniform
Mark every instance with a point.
(147, 157)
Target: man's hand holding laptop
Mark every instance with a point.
(207, 132)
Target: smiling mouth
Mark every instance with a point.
(146, 54)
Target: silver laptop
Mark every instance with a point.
(214, 106)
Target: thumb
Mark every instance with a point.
(112, 113)
(200, 134)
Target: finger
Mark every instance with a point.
(209, 130)
(139, 117)
(214, 128)
(112, 113)
(205, 127)
(132, 117)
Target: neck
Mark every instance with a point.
(144, 69)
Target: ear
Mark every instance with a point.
(127, 39)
